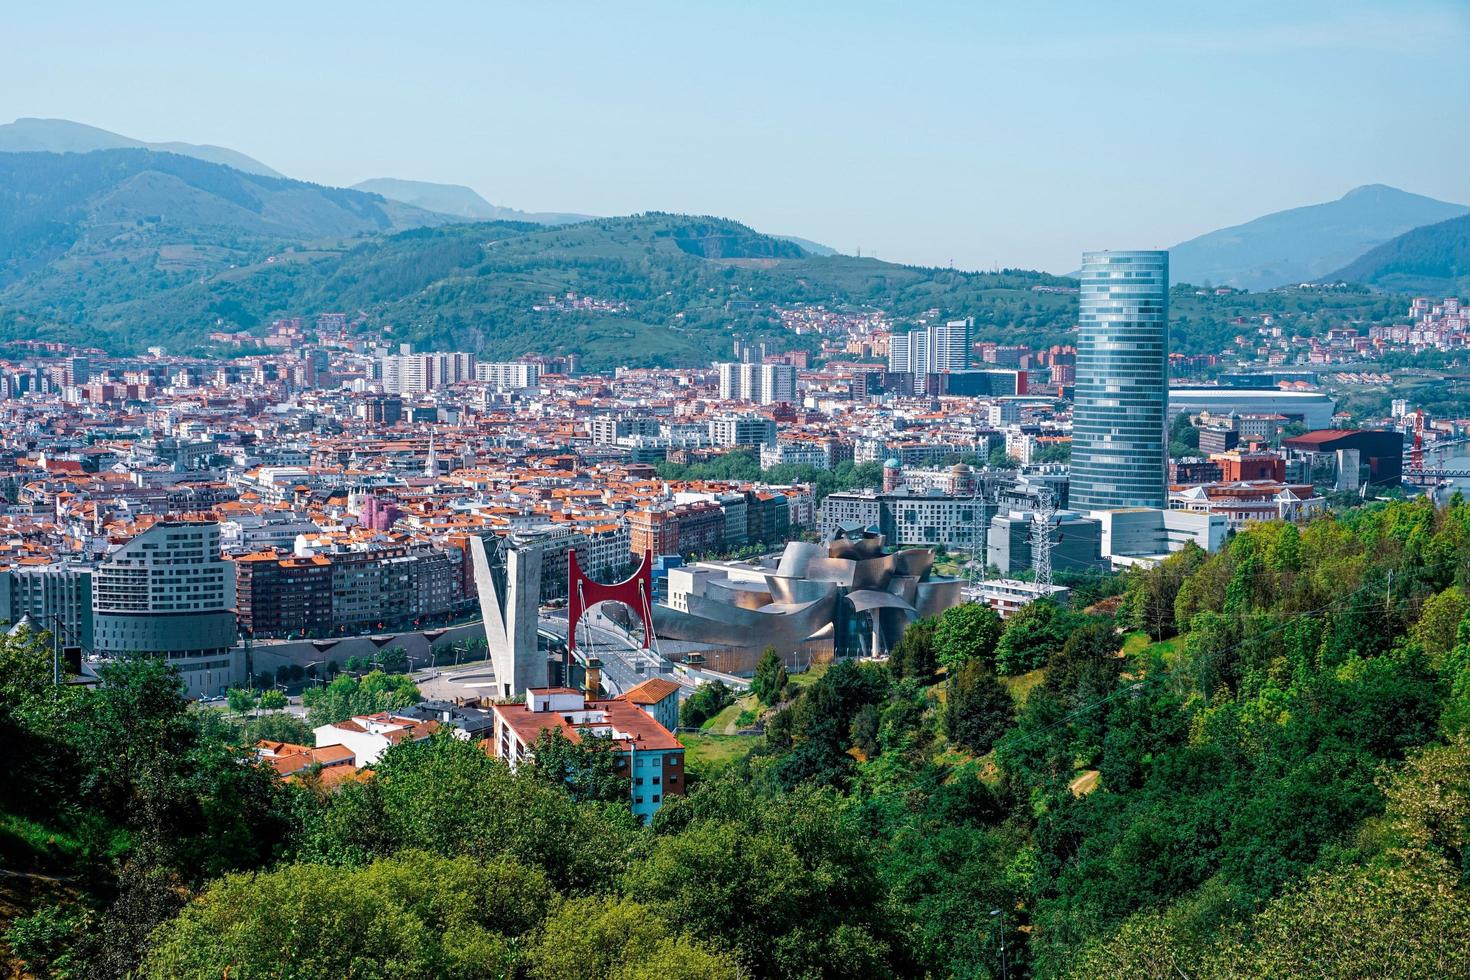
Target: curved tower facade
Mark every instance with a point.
(1120, 413)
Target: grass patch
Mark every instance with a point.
(1021, 685)
(809, 676)
(728, 720)
(1138, 649)
(27, 843)
(707, 754)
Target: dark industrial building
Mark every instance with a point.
(1322, 452)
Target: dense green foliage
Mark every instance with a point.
(1273, 779)
(346, 696)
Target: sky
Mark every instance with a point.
(977, 134)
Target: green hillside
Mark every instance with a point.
(1434, 259)
(131, 248)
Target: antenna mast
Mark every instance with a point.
(1041, 536)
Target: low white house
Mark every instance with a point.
(369, 736)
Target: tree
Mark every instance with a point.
(705, 703)
(770, 677)
(979, 709)
(590, 768)
(347, 696)
(242, 700)
(969, 631)
(1438, 622)
(447, 796)
(913, 654)
(1032, 634)
(619, 939)
(418, 915)
(273, 700)
(788, 884)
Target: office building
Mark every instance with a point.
(1119, 434)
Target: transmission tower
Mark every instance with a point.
(1041, 535)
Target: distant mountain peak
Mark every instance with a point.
(1305, 243)
(457, 200)
(1373, 189)
(31, 134)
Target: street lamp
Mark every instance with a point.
(1005, 972)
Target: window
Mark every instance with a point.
(637, 799)
(655, 798)
(638, 781)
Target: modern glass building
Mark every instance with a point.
(1120, 412)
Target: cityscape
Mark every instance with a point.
(393, 584)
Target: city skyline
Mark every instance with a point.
(587, 129)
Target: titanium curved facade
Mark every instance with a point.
(1120, 413)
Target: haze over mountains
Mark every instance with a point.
(1307, 243)
(132, 246)
(459, 201)
(28, 135)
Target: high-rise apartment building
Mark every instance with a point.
(1119, 418)
(413, 373)
(934, 349)
(509, 375)
(766, 384)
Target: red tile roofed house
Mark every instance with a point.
(647, 751)
(369, 736)
(659, 697)
(290, 760)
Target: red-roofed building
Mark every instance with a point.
(369, 736)
(648, 752)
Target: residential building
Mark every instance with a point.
(647, 752)
(55, 595)
(508, 375)
(369, 736)
(742, 430)
(1007, 595)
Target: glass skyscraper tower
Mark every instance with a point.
(1120, 413)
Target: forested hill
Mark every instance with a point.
(131, 248)
(1434, 260)
(668, 289)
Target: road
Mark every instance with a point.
(624, 663)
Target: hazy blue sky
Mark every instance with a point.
(979, 133)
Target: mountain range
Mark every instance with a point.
(459, 201)
(130, 247)
(1304, 244)
(28, 135)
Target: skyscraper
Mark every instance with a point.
(1119, 418)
